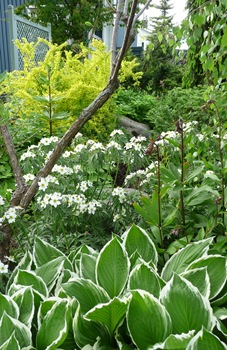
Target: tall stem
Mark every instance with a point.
(159, 197)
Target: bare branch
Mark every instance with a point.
(115, 31)
(145, 7)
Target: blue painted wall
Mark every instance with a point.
(5, 61)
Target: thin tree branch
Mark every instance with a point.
(115, 31)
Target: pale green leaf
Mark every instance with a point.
(148, 321)
(54, 328)
(112, 267)
(29, 278)
(24, 298)
(144, 277)
(87, 266)
(180, 261)
(109, 314)
(8, 305)
(9, 325)
(137, 240)
(205, 340)
(50, 271)
(86, 292)
(200, 279)
(174, 341)
(181, 299)
(217, 270)
(11, 344)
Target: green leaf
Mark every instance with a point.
(86, 292)
(2, 76)
(112, 267)
(180, 261)
(29, 278)
(54, 328)
(204, 340)
(44, 252)
(87, 332)
(178, 296)
(200, 279)
(224, 38)
(24, 298)
(136, 239)
(50, 271)
(174, 341)
(144, 277)
(110, 314)
(9, 326)
(87, 266)
(8, 305)
(217, 270)
(148, 321)
(10, 344)
(195, 173)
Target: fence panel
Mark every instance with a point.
(22, 28)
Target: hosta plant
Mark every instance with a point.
(116, 298)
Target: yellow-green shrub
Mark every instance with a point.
(56, 90)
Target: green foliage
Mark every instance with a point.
(70, 21)
(206, 33)
(95, 300)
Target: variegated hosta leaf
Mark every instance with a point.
(8, 305)
(147, 319)
(11, 344)
(50, 271)
(24, 298)
(87, 266)
(109, 314)
(29, 278)
(44, 252)
(87, 332)
(112, 268)
(188, 309)
(45, 306)
(24, 264)
(199, 278)
(217, 270)
(9, 326)
(221, 298)
(174, 341)
(86, 292)
(205, 340)
(54, 328)
(180, 261)
(144, 277)
(137, 239)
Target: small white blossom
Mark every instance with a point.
(43, 184)
(79, 148)
(97, 145)
(55, 199)
(113, 144)
(63, 170)
(1, 200)
(11, 215)
(3, 268)
(29, 177)
(27, 154)
(120, 193)
(116, 132)
(66, 154)
(84, 185)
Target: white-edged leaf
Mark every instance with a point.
(45, 306)
(217, 270)
(144, 277)
(110, 314)
(10, 344)
(112, 268)
(187, 307)
(135, 239)
(180, 261)
(86, 292)
(44, 252)
(29, 278)
(87, 266)
(24, 298)
(87, 332)
(148, 321)
(54, 328)
(174, 341)
(50, 271)
(8, 305)
(9, 325)
(199, 277)
(205, 340)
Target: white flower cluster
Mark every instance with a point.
(3, 268)
(46, 141)
(116, 132)
(1, 200)
(84, 185)
(27, 154)
(120, 193)
(10, 215)
(135, 143)
(44, 182)
(62, 169)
